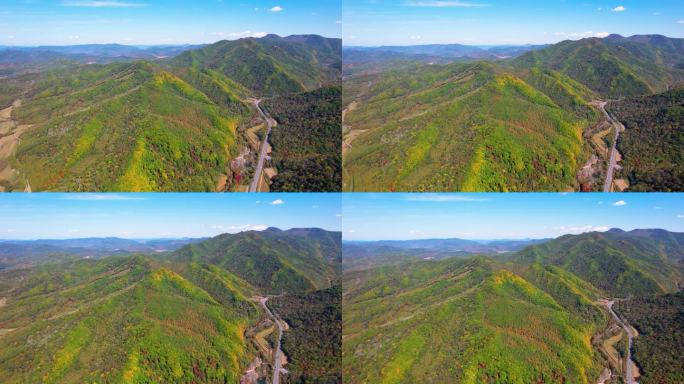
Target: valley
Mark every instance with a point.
(461, 120)
(144, 123)
(87, 310)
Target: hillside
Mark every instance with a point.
(620, 263)
(616, 66)
(273, 260)
(168, 328)
(271, 65)
(461, 321)
(650, 146)
(531, 316)
(463, 127)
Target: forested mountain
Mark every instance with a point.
(619, 263)
(165, 125)
(533, 316)
(271, 65)
(652, 159)
(271, 260)
(660, 323)
(171, 318)
(529, 123)
(614, 67)
(307, 146)
(466, 127)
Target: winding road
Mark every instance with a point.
(277, 358)
(612, 163)
(262, 154)
(629, 377)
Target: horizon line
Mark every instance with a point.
(501, 44)
(166, 44)
(510, 238)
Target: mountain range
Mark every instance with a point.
(532, 122)
(189, 314)
(540, 314)
(141, 123)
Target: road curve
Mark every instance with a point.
(276, 363)
(612, 163)
(262, 153)
(628, 365)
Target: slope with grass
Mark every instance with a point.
(468, 127)
(128, 127)
(119, 320)
(465, 321)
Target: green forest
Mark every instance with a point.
(651, 145)
(307, 141)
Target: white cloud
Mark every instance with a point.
(277, 202)
(277, 8)
(619, 8)
(599, 203)
(338, 215)
(100, 196)
(680, 216)
(101, 4)
(445, 4)
(441, 198)
(239, 35)
(239, 228)
(583, 229)
(680, 21)
(619, 203)
(582, 35)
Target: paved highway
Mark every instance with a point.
(262, 154)
(278, 352)
(628, 365)
(612, 163)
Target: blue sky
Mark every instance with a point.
(483, 22)
(161, 215)
(401, 216)
(67, 22)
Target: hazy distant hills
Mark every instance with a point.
(146, 123)
(364, 254)
(526, 316)
(14, 253)
(519, 124)
(183, 316)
